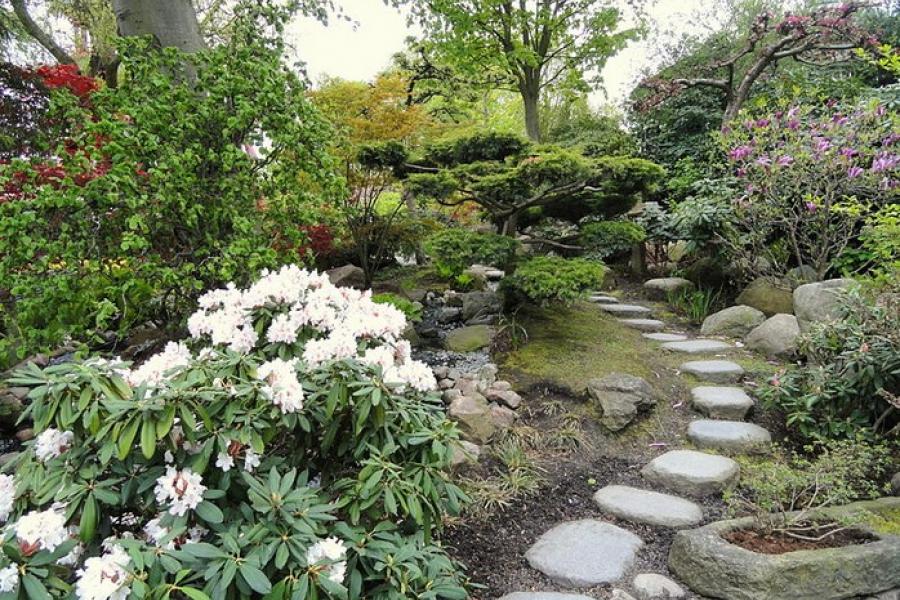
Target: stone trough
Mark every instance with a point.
(715, 568)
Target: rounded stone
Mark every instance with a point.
(735, 321)
(603, 299)
(469, 339)
(543, 596)
(691, 472)
(769, 296)
(644, 324)
(698, 346)
(650, 586)
(666, 337)
(716, 371)
(730, 436)
(777, 337)
(626, 310)
(716, 402)
(818, 301)
(652, 508)
(660, 288)
(584, 553)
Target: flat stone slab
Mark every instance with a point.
(691, 472)
(733, 436)
(626, 310)
(603, 299)
(644, 324)
(698, 346)
(650, 586)
(544, 596)
(717, 402)
(665, 337)
(652, 508)
(716, 371)
(584, 553)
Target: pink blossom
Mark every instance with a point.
(811, 206)
(885, 162)
(854, 172)
(785, 161)
(741, 152)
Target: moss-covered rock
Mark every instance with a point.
(770, 296)
(469, 339)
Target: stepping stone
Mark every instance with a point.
(733, 436)
(730, 403)
(698, 346)
(544, 596)
(652, 508)
(643, 324)
(716, 371)
(601, 299)
(626, 310)
(662, 287)
(691, 472)
(665, 337)
(650, 586)
(584, 553)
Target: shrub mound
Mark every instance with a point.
(455, 250)
(552, 279)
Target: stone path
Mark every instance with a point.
(589, 552)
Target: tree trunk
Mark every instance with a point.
(172, 23)
(532, 117)
(511, 225)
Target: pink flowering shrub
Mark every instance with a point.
(290, 447)
(810, 178)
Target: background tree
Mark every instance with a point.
(529, 45)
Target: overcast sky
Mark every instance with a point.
(362, 50)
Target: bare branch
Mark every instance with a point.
(41, 37)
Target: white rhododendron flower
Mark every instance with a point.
(224, 461)
(282, 387)
(104, 577)
(251, 460)
(330, 550)
(416, 375)
(157, 369)
(41, 530)
(51, 443)
(7, 496)
(182, 490)
(9, 578)
(71, 559)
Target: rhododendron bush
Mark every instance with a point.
(290, 447)
(811, 178)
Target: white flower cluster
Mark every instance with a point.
(41, 530)
(157, 369)
(7, 496)
(155, 532)
(183, 489)
(332, 552)
(9, 578)
(225, 460)
(282, 386)
(104, 577)
(51, 443)
(333, 323)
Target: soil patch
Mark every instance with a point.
(782, 543)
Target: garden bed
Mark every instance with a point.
(782, 542)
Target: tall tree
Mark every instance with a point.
(528, 44)
(171, 22)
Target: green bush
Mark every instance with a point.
(293, 449)
(410, 310)
(551, 279)
(456, 249)
(606, 239)
(157, 196)
(851, 383)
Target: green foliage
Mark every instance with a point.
(411, 310)
(342, 451)
(851, 384)
(456, 249)
(878, 252)
(159, 198)
(552, 279)
(706, 216)
(480, 147)
(696, 304)
(825, 475)
(606, 239)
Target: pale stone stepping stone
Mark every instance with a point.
(652, 508)
(698, 346)
(717, 402)
(665, 337)
(584, 553)
(544, 596)
(650, 586)
(716, 371)
(644, 324)
(691, 472)
(602, 299)
(733, 436)
(626, 310)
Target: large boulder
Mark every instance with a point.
(620, 397)
(767, 295)
(473, 415)
(11, 406)
(348, 276)
(469, 339)
(734, 321)
(661, 288)
(777, 337)
(818, 301)
(480, 305)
